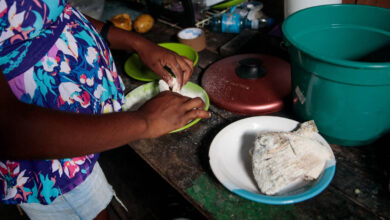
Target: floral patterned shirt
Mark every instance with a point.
(53, 57)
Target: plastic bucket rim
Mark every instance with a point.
(339, 62)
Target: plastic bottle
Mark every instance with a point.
(233, 23)
(239, 19)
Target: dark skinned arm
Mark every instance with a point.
(31, 132)
(152, 55)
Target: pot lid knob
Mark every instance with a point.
(250, 68)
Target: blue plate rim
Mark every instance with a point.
(322, 184)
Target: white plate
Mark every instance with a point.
(230, 160)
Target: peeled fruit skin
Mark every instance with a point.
(143, 23)
(122, 21)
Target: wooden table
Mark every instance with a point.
(359, 190)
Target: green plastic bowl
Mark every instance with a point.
(182, 50)
(135, 69)
(147, 91)
(340, 63)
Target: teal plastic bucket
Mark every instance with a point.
(340, 63)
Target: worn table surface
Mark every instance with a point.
(359, 190)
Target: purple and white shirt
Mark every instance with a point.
(53, 57)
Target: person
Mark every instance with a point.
(61, 98)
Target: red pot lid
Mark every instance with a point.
(250, 84)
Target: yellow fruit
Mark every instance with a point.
(122, 21)
(143, 23)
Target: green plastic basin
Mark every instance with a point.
(340, 66)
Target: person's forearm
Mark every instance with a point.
(151, 55)
(125, 40)
(54, 134)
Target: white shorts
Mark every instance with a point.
(84, 202)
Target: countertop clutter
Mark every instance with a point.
(359, 189)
